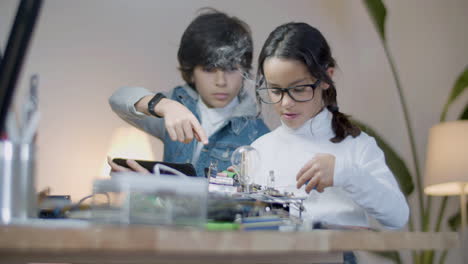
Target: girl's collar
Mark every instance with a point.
(317, 125)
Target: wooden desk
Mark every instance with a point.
(111, 244)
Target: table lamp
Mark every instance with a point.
(128, 143)
(447, 162)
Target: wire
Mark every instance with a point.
(89, 196)
(158, 167)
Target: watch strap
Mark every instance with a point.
(153, 102)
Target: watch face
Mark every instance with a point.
(153, 102)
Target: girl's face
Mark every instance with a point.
(286, 73)
(216, 87)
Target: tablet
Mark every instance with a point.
(185, 168)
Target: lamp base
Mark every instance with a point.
(463, 208)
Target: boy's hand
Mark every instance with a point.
(317, 173)
(181, 123)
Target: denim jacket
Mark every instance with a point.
(241, 129)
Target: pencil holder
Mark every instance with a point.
(18, 199)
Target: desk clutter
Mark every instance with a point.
(178, 200)
(130, 198)
(226, 200)
(169, 196)
(169, 201)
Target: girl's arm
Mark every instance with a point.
(371, 184)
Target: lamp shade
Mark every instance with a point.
(128, 143)
(447, 159)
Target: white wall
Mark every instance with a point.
(83, 50)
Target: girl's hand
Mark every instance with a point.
(317, 173)
(134, 166)
(180, 122)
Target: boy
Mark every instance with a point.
(214, 54)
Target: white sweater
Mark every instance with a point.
(363, 184)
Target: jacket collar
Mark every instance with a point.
(247, 108)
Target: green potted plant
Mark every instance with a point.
(378, 12)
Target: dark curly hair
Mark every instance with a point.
(215, 40)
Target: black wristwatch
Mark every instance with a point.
(153, 102)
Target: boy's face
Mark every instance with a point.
(217, 87)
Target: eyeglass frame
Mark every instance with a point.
(286, 90)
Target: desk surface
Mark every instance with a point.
(139, 244)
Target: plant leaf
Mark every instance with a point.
(457, 90)
(455, 220)
(464, 115)
(378, 13)
(392, 255)
(394, 162)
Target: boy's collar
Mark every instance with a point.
(190, 91)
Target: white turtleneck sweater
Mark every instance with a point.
(363, 185)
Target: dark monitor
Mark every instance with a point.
(13, 57)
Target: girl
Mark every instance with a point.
(347, 179)
(214, 54)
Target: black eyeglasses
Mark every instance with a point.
(300, 93)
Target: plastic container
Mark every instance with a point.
(135, 198)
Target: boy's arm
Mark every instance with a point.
(131, 104)
(123, 103)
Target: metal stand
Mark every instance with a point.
(463, 207)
